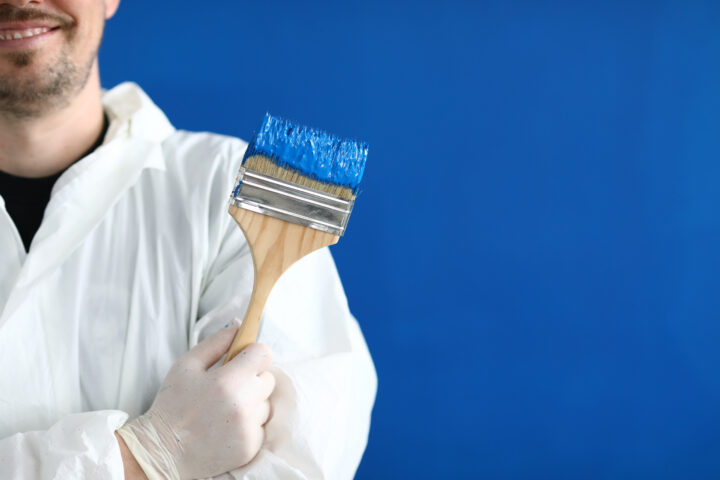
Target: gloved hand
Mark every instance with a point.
(205, 422)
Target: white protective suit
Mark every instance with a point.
(136, 261)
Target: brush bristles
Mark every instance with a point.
(267, 166)
(310, 152)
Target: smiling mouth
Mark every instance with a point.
(23, 33)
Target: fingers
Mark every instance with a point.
(266, 381)
(264, 410)
(256, 358)
(210, 350)
(256, 442)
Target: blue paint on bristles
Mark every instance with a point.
(312, 153)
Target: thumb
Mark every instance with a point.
(210, 350)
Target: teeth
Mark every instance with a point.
(20, 34)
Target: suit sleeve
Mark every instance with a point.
(77, 446)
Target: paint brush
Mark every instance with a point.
(294, 194)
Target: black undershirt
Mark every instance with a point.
(26, 198)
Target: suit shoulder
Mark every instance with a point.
(196, 152)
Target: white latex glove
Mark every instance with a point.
(205, 422)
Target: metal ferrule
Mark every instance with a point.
(290, 202)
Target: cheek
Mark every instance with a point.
(75, 7)
(89, 15)
(89, 25)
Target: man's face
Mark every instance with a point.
(47, 51)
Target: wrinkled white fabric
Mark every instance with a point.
(136, 261)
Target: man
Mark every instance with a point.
(116, 256)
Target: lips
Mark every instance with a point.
(28, 34)
(19, 34)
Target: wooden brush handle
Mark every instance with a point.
(275, 245)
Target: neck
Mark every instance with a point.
(46, 145)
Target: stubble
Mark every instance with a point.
(26, 94)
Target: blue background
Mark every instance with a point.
(535, 255)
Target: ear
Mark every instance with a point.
(111, 7)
